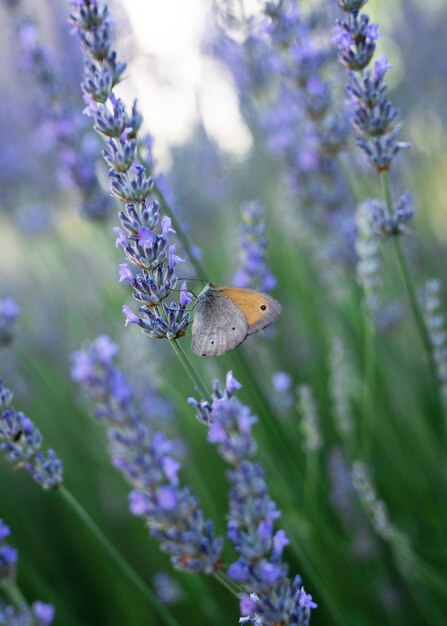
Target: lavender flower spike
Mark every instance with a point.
(147, 459)
(270, 596)
(375, 119)
(21, 441)
(144, 237)
(9, 312)
(40, 614)
(254, 272)
(75, 143)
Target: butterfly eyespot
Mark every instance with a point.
(212, 342)
(234, 328)
(263, 307)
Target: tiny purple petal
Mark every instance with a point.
(105, 348)
(282, 382)
(4, 531)
(131, 318)
(305, 600)
(43, 612)
(9, 308)
(185, 295)
(145, 237)
(120, 237)
(82, 367)
(216, 433)
(8, 555)
(125, 273)
(166, 226)
(265, 529)
(381, 66)
(171, 468)
(271, 573)
(138, 503)
(231, 383)
(280, 541)
(247, 605)
(372, 32)
(167, 498)
(237, 571)
(173, 258)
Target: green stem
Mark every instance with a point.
(369, 383)
(191, 370)
(13, 593)
(183, 238)
(226, 581)
(311, 482)
(406, 276)
(117, 557)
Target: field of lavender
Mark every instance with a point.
(301, 477)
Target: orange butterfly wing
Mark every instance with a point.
(260, 309)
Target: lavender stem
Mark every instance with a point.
(116, 556)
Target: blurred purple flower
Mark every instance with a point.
(145, 457)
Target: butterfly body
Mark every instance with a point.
(225, 316)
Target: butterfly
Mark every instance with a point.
(225, 316)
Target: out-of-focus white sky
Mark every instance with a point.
(174, 80)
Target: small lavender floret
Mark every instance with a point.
(44, 613)
(147, 459)
(9, 312)
(269, 597)
(21, 441)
